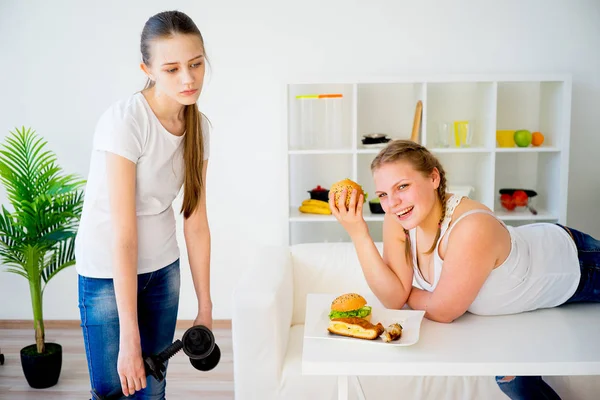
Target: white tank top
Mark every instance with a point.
(541, 271)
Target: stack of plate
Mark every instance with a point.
(375, 140)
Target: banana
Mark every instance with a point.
(313, 202)
(310, 209)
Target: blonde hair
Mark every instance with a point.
(421, 160)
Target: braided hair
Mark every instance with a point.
(423, 161)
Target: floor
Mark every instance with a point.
(184, 381)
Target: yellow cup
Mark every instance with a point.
(505, 138)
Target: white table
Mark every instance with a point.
(560, 341)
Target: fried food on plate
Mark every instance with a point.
(355, 327)
(392, 332)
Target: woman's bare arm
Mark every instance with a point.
(389, 277)
(467, 264)
(121, 188)
(197, 238)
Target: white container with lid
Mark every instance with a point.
(320, 121)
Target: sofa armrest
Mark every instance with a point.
(261, 319)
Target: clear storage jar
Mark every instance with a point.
(320, 121)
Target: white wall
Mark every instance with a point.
(62, 63)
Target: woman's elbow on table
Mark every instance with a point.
(443, 316)
(394, 301)
(393, 304)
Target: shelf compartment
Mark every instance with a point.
(387, 108)
(470, 169)
(469, 101)
(297, 216)
(539, 171)
(365, 178)
(321, 151)
(535, 106)
(438, 150)
(525, 215)
(324, 123)
(325, 231)
(309, 170)
(540, 149)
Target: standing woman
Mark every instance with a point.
(145, 149)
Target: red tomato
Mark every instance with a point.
(520, 198)
(507, 202)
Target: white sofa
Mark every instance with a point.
(267, 329)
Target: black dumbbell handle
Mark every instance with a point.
(170, 351)
(150, 365)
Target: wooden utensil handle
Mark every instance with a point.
(417, 122)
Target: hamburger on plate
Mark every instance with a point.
(350, 305)
(351, 316)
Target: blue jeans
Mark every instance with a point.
(588, 251)
(158, 302)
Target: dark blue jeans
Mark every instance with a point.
(158, 302)
(588, 250)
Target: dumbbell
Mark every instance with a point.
(198, 343)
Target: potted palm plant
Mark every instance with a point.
(37, 235)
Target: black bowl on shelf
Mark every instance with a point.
(322, 195)
(376, 208)
(375, 138)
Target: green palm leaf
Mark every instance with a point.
(63, 256)
(37, 237)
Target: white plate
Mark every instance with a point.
(375, 145)
(410, 320)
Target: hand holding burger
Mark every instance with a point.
(341, 197)
(346, 199)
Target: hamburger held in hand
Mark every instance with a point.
(337, 188)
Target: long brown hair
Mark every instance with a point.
(163, 25)
(423, 161)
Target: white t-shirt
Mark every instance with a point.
(130, 129)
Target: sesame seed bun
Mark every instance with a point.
(348, 302)
(349, 184)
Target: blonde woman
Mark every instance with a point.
(462, 255)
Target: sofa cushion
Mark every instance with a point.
(295, 386)
(325, 268)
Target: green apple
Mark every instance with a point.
(522, 137)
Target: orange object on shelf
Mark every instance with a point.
(537, 138)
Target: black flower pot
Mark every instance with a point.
(42, 370)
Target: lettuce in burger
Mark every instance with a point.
(350, 305)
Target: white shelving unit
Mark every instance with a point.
(491, 102)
